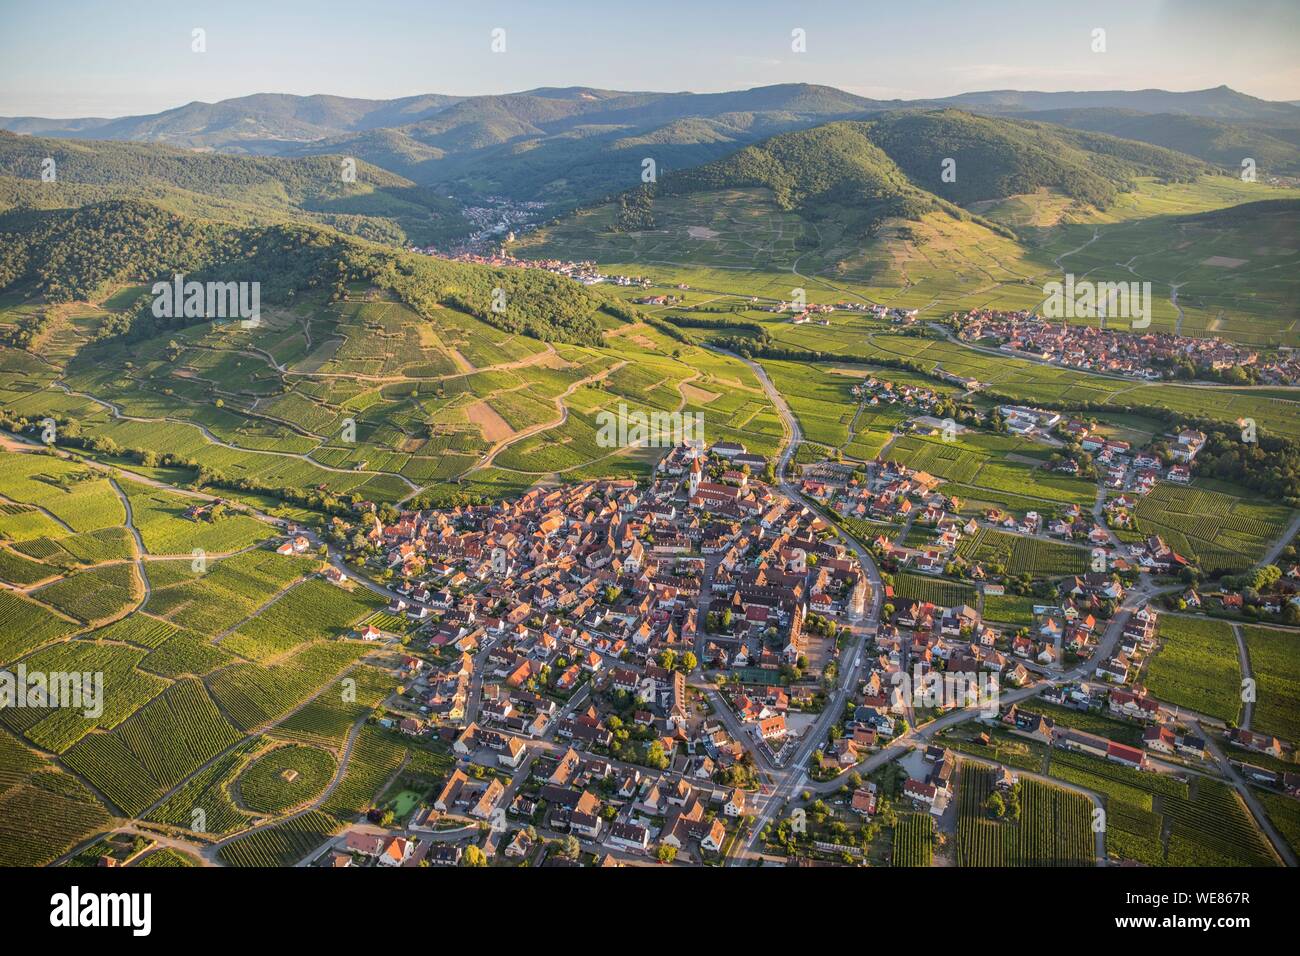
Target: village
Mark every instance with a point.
(1149, 356)
(555, 644)
(614, 670)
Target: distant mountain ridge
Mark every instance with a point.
(290, 118)
(571, 145)
(1274, 148)
(1220, 102)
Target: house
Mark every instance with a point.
(772, 728)
(1260, 743)
(444, 854)
(397, 852)
(864, 799)
(628, 836)
(366, 844)
(714, 837)
(1135, 703)
(919, 790)
(1160, 739)
(520, 845)
(514, 753)
(1126, 755)
(737, 802)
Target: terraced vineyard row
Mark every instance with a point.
(914, 840)
(1053, 827)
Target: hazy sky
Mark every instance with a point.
(117, 57)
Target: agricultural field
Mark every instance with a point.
(1220, 532)
(1009, 609)
(326, 719)
(1284, 812)
(310, 610)
(376, 756)
(74, 498)
(1023, 381)
(20, 570)
(1014, 751)
(155, 749)
(1020, 554)
(914, 840)
(70, 551)
(1275, 664)
(95, 594)
(283, 844)
(25, 624)
(1196, 667)
(1113, 728)
(921, 587)
(122, 691)
(254, 695)
(1053, 827)
(43, 812)
(1160, 821)
(159, 516)
(987, 467)
(168, 857)
(210, 598)
(285, 777)
(203, 804)
(367, 397)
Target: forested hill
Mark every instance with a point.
(893, 164)
(1275, 148)
(831, 168)
(66, 255)
(360, 198)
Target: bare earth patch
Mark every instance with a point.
(462, 363)
(489, 420)
(701, 232)
(553, 360)
(696, 394)
(323, 353)
(1226, 262)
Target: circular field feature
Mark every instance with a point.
(286, 777)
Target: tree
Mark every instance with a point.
(666, 853)
(995, 805)
(473, 856)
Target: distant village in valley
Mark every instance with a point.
(1150, 356)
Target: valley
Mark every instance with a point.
(366, 582)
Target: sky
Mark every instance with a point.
(65, 58)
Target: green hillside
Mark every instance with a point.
(67, 255)
(1221, 142)
(893, 165)
(371, 202)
